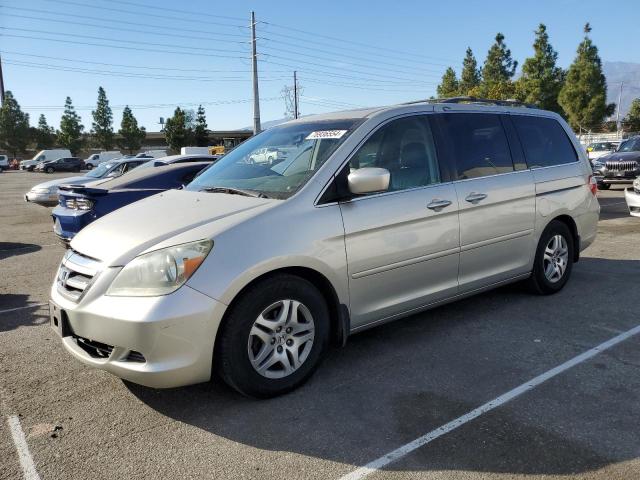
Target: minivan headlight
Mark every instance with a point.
(160, 272)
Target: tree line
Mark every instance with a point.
(16, 135)
(578, 94)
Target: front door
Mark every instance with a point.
(402, 245)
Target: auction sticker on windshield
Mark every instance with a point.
(325, 134)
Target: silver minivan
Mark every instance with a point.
(254, 269)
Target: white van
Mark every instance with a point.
(42, 156)
(97, 158)
(194, 151)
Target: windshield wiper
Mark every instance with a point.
(234, 191)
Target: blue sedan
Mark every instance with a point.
(79, 205)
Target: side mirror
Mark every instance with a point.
(369, 180)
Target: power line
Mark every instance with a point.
(128, 30)
(106, 39)
(120, 21)
(147, 14)
(199, 14)
(153, 105)
(344, 41)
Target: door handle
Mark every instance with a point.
(475, 197)
(438, 204)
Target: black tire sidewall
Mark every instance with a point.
(232, 360)
(542, 284)
(49, 170)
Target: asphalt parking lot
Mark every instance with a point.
(387, 387)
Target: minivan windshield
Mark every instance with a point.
(277, 162)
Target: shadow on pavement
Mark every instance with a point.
(10, 249)
(394, 383)
(28, 313)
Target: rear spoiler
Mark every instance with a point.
(82, 189)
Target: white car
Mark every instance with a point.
(632, 196)
(264, 155)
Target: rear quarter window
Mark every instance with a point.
(544, 141)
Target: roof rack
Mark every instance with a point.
(483, 101)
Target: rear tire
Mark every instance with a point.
(553, 261)
(274, 337)
(49, 170)
(89, 166)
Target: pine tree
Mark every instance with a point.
(541, 78)
(131, 135)
(470, 77)
(43, 134)
(200, 132)
(102, 127)
(449, 85)
(177, 131)
(497, 71)
(15, 133)
(632, 120)
(70, 133)
(583, 96)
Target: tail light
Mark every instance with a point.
(593, 184)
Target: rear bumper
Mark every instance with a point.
(633, 201)
(159, 342)
(45, 199)
(67, 222)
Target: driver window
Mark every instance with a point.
(406, 148)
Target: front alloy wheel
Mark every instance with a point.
(273, 336)
(281, 339)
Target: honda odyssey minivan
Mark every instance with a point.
(253, 269)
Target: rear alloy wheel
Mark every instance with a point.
(273, 337)
(49, 170)
(554, 259)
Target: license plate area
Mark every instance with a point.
(58, 320)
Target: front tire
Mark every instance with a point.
(89, 166)
(49, 170)
(554, 259)
(274, 337)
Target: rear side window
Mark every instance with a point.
(544, 141)
(478, 143)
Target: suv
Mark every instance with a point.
(620, 167)
(251, 271)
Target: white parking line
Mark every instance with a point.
(404, 450)
(26, 461)
(22, 308)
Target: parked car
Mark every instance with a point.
(599, 149)
(632, 197)
(620, 167)
(4, 162)
(79, 205)
(43, 156)
(46, 194)
(252, 271)
(152, 154)
(66, 164)
(96, 159)
(268, 155)
(171, 159)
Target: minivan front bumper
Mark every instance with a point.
(159, 342)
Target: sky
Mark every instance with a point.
(156, 55)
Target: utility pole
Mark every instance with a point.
(1, 84)
(256, 95)
(295, 95)
(618, 110)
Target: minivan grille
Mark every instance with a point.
(75, 275)
(622, 166)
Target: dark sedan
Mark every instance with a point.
(80, 205)
(67, 164)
